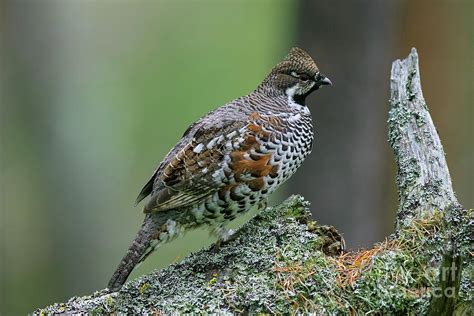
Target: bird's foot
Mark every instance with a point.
(262, 204)
(224, 235)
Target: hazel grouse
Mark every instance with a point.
(229, 160)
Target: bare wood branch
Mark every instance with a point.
(423, 177)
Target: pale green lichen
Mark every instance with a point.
(276, 265)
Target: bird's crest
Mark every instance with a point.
(297, 59)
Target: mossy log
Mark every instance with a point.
(283, 262)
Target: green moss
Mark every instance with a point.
(298, 211)
(97, 311)
(144, 287)
(213, 280)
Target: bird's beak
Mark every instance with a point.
(322, 80)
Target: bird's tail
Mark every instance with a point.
(141, 247)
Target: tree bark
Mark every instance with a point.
(283, 262)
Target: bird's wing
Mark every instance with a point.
(186, 176)
(213, 153)
(148, 187)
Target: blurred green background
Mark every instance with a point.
(95, 93)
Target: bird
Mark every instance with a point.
(228, 161)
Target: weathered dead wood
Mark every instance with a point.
(423, 178)
(424, 183)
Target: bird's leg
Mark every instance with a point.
(224, 234)
(262, 204)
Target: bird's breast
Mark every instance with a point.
(258, 159)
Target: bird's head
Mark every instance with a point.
(296, 76)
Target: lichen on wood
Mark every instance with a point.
(424, 183)
(283, 262)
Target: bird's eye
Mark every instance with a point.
(304, 77)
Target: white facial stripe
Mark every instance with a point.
(290, 92)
